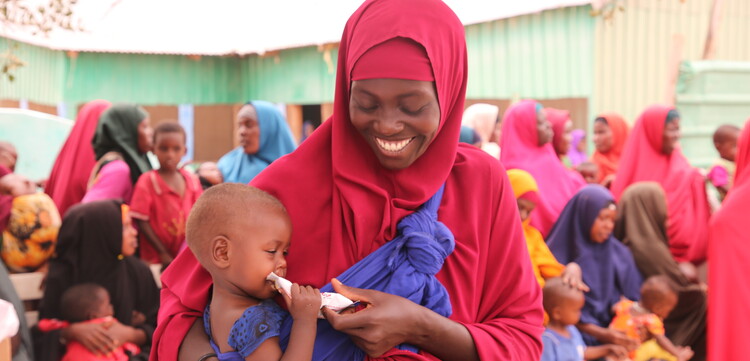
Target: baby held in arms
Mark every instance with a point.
(241, 235)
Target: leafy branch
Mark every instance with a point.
(43, 18)
(37, 18)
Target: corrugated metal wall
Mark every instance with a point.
(153, 79)
(40, 79)
(543, 56)
(734, 33)
(546, 55)
(621, 65)
(637, 51)
(298, 76)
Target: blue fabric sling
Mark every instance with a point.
(406, 266)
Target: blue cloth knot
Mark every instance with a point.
(406, 266)
(423, 241)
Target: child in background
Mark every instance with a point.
(562, 340)
(590, 172)
(162, 198)
(209, 174)
(721, 173)
(88, 303)
(241, 234)
(658, 298)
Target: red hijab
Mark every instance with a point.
(729, 251)
(521, 150)
(70, 174)
(343, 204)
(607, 162)
(688, 209)
(558, 118)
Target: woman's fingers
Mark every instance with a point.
(355, 324)
(352, 293)
(96, 340)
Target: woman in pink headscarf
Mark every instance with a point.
(562, 127)
(526, 143)
(652, 154)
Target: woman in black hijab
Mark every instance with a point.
(96, 244)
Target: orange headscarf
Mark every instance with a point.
(543, 262)
(607, 162)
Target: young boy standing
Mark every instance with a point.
(562, 340)
(162, 198)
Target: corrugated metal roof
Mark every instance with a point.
(222, 27)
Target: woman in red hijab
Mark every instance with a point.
(526, 142)
(70, 174)
(390, 145)
(652, 154)
(610, 134)
(729, 252)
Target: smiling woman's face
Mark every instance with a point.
(398, 118)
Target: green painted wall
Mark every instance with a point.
(543, 56)
(152, 79)
(40, 79)
(297, 76)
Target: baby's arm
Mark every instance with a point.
(303, 306)
(682, 353)
(614, 351)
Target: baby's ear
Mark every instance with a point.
(220, 249)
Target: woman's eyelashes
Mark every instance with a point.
(419, 110)
(408, 110)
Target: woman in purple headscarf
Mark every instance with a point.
(577, 152)
(583, 234)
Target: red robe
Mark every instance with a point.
(729, 252)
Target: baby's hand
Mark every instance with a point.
(684, 353)
(617, 352)
(304, 301)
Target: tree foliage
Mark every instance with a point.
(37, 17)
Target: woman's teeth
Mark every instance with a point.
(393, 146)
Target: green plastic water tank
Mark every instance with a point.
(709, 94)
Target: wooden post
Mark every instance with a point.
(673, 68)
(326, 110)
(709, 51)
(294, 118)
(235, 127)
